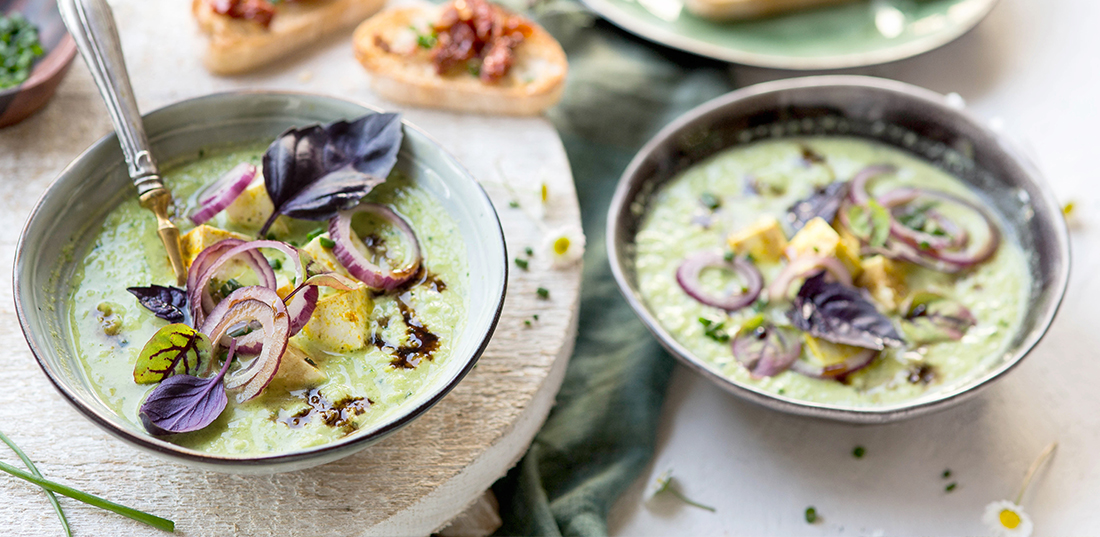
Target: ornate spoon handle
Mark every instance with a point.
(92, 26)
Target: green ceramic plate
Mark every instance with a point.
(866, 32)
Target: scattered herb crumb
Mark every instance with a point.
(947, 473)
(513, 204)
(859, 452)
(521, 263)
(326, 242)
(710, 201)
(314, 234)
(728, 256)
(713, 330)
(276, 264)
(950, 486)
(535, 317)
(527, 322)
(811, 515)
(529, 251)
(543, 292)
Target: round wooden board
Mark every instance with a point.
(411, 483)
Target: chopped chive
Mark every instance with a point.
(950, 487)
(276, 264)
(859, 452)
(947, 473)
(535, 316)
(529, 251)
(728, 256)
(811, 515)
(513, 204)
(543, 292)
(326, 242)
(314, 234)
(710, 201)
(521, 263)
(527, 322)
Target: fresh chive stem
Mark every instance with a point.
(95, 501)
(34, 470)
(689, 501)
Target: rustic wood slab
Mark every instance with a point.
(409, 484)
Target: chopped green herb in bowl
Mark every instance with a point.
(19, 48)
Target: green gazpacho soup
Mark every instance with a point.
(831, 270)
(362, 353)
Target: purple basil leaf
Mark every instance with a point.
(824, 203)
(313, 172)
(841, 314)
(168, 303)
(183, 403)
(763, 349)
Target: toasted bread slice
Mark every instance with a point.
(749, 9)
(238, 45)
(402, 71)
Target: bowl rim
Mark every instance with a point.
(620, 205)
(341, 447)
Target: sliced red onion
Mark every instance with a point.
(202, 301)
(339, 230)
(300, 304)
(804, 266)
(196, 283)
(688, 278)
(851, 365)
(245, 305)
(858, 189)
(913, 238)
(764, 351)
(219, 195)
(932, 318)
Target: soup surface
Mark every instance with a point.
(744, 195)
(406, 339)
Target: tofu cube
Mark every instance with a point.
(817, 237)
(884, 279)
(296, 371)
(253, 207)
(763, 240)
(195, 241)
(339, 324)
(323, 260)
(827, 354)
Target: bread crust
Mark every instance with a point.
(534, 83)
(749, 9)
(238, 45)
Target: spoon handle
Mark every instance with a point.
(92, 26)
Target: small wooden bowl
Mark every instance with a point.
(27, 98)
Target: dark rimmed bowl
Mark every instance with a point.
(50, 248)
(19, 102)
(915, 120)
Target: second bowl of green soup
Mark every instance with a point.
(840, 247)
(376, 312)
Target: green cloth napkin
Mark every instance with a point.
(600, 435)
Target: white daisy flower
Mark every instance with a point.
(563, 246)
(1006, 519)
(659, 484)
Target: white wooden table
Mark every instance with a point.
(409, 484)
(1034, 67)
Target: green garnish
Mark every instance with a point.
(276, 264)
(427, 40)
(473, 68)
(543, 292)
(314, 234)
(859, 452)
(95, 501)
(513, 204)
(713, 330)
(529, 251)
(535, 316)
(946, 473)
(811, 515)
(34, 470)
(728, 256)
(228, 287)
(527, 322)
(870, 222)
(521, 263)
(950, 487)
(710, 201)
(326, 243)
(663, 484)
(19, 48)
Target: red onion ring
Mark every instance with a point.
(688, 278)
(247, 304)
(202, 301)
(857, 192)
(764, 351)
(836, 371)
(339, 230)
(221, 193)
(963, 259)
(804, 266)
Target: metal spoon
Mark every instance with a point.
(92, 26)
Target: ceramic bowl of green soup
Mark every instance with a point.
(840, 247)
(302, 336)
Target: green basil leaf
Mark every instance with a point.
(880, 224)
(176, 349)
